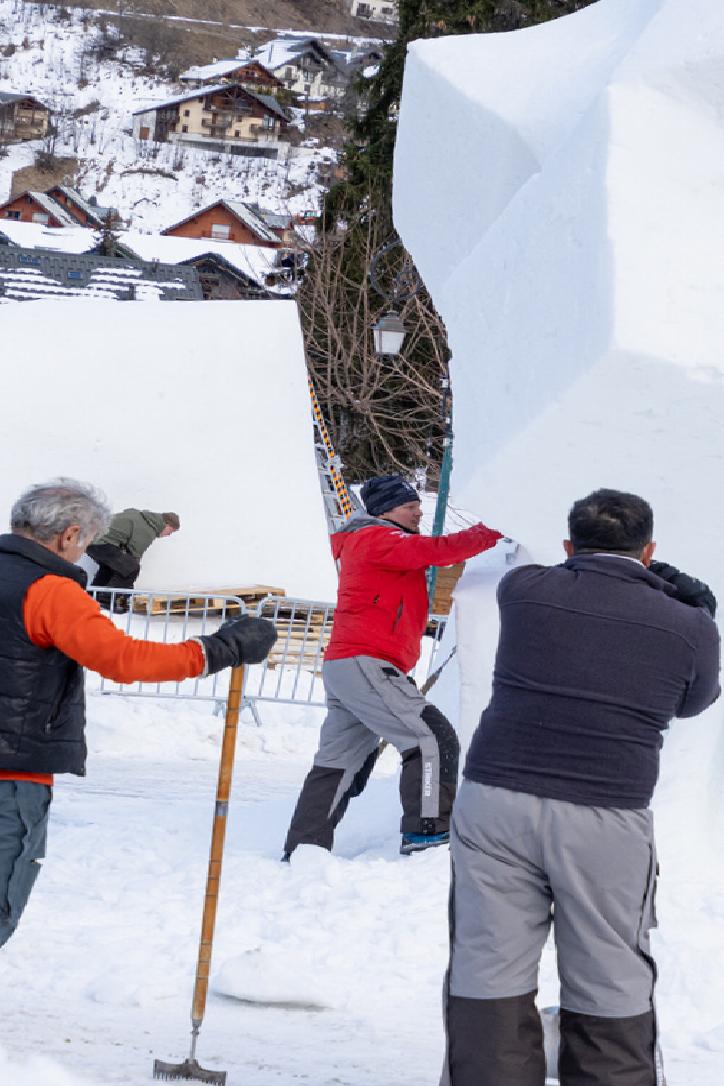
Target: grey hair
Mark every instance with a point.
(45, 510)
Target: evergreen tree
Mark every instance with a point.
(360, 204)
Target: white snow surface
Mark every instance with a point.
(327, 970)
(560, 190)
(202, 408)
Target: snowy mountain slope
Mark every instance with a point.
(152, 185)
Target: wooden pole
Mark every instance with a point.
(218, 834)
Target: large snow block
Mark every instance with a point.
(560, 189)
(202, 408)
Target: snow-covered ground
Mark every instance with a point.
(326, 971)
(152, 185)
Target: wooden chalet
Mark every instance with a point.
(226, 117)
(247, 73)
(226, 220)
(86, 212)
(22, 117)
(36, 207)
(220, 279)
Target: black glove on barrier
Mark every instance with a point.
(244, 640)
(688, 589)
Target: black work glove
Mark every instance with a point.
(688, 589)
(244, 640)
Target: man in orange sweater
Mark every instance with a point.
(50, 629)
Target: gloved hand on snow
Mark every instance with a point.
(244, 640)
(688, 589)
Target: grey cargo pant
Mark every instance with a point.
(519, 864)
(368, 699)
(24, 807)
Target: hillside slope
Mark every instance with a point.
(320, 15)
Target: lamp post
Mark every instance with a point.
(389, 335)
(389, 331)
(443, 487)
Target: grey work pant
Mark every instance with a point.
(369, 699)
(521, 863)
(24, 807)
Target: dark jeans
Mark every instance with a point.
(116, 569)
(24, 807)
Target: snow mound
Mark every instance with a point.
(302, 932)
(36, 1071)
(201, 408)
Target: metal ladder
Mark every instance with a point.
(339, 502)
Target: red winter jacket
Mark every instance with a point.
(382, 603)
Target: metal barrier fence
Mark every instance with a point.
(292, 673)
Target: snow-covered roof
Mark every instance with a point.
(215, 70)
(93, 211)
(201, 92)
(266, 100)
(17, 96)
(280, 51)
(275, 219)
(219, 68)
(32, 274)
(242, 212)
(35, 235)
(51, 207)
(254, 261)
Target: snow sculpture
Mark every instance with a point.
(561, 189)
(198, 407)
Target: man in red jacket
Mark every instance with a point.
(381, 615)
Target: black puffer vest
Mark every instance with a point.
(42, 700)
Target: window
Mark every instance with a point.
(74, 274)
(237, 133)
(307, 88)
(187, 113)
(290, 73)
(40, 216)
(12, 215)
(221, 231)
(267, 121)
(184, 128)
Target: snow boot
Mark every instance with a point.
(418, 842)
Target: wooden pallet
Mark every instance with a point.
(447, 578)
(300, 643)
(210, 602)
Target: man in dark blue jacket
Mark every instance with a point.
(551, 824)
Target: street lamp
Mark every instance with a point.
(389, 334)
(389, 331)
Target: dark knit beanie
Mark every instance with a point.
(386, 492)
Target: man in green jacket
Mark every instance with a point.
(119, 550)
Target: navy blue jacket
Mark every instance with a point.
(595, 657)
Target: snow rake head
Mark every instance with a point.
(189, 1069)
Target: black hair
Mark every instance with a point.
(610, 520)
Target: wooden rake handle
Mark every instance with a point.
(218, 834)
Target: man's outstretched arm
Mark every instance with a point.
(399, 550)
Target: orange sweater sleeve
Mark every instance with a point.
(58, 613)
